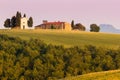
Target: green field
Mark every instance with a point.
(66, 38)
(107, 75)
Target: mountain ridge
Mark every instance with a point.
(108, 28)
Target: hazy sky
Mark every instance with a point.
(81, 11)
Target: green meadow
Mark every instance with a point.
(68, 38)
(105, 75)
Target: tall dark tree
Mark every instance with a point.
(7, 23)
(94, 28)
(13, 21)
(30, 22)
(72, 24)
(18, 17)
(24, 15)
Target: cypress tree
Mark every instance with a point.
(72, 24)
(18, 17)
(30, 22)
(24, 15)
(13, 21)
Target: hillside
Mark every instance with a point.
(106, 75)
(73, 38)
(33, 59)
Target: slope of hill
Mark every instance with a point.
(106, 75)
(73, 38)
(108, 28)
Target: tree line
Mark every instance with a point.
(36, 60)
(15, 21)
(79, 26)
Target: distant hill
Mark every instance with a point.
(108, 28)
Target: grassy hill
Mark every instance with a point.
(73, 38)
(67, 39)
(106, 75)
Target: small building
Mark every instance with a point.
(24, 23)
(54, 25)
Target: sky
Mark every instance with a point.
(81, 11)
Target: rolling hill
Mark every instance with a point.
(72, 38)
(68, 39)
(106, 75)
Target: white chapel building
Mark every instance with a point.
(24, 23)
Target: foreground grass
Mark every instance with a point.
(106, 75)
(72, 38)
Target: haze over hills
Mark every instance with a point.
(108, 28)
